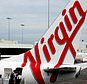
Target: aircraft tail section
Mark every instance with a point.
(60, 43)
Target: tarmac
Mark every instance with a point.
(82, 79)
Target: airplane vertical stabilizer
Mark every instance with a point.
(60, 43)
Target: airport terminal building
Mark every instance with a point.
(9, 48)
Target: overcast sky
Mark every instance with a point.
(31, 13)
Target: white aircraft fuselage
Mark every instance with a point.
(52, 58)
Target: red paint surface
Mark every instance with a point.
(42, 40)
(46, 53)
(64, 12)
(68, 23)
(51, 45)
(35, 65)
(37, 54)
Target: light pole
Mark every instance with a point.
(8, 18)
(22, 25)
(48, 12)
